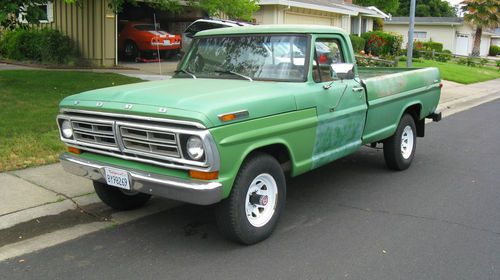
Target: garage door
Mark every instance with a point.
(306, 19)
(485, 46)
(462, 44)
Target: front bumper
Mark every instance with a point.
(202, 193)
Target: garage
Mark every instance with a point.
(485, 46)
(293, 18)
(462, 44)
(146, 34)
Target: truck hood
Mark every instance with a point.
(200, 100)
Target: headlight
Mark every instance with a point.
(66, 129)
(194, 147)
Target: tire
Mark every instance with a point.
(130, 50)
(245, 216)
(399, 149)
(118, 199)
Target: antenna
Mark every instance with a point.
(157, 42)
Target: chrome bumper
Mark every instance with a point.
(159, 185)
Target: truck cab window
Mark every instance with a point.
(326, 53)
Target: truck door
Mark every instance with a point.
(340, 100)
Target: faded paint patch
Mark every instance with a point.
(336, 138)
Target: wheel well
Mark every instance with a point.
(279, 152)
(414, 111)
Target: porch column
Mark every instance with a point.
(359, 26)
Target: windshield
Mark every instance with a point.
(252, 57)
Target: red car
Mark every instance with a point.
(137, 39)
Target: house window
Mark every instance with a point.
(420, 35)
(46, 16)
(48, 10)
(364, 23)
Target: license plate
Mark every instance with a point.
(117, 178)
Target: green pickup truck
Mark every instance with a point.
(247, 106)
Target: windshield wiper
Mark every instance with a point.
(185, 71)
(234, 73)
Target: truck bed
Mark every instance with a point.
(370, 72)
(390, 89)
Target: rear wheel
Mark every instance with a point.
(399, 149)
(119, 199)
(251, 212)
(131, 50)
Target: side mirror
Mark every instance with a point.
(342, 71)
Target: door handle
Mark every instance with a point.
(357, 89)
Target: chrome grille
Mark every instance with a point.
(94, 132)
(150, 141)
(144, 139)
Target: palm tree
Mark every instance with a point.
(481, 14)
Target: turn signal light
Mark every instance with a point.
(203, 175)
(228, 117)
(74, 150)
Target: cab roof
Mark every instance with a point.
(273, 28)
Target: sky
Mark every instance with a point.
(454, 2)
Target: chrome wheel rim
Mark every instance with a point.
(407, 142)
(261, 200)
(129, 49)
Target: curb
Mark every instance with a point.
(46, 240)
(54, 208)
(461, 104)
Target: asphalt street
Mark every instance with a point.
(352, 219)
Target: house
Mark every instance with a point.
(495, 38)
(95, 27)
(355, 19)
(453, 32)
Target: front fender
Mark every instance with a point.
(295, 130)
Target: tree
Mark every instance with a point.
(11, 10)
(427, 8)
(481, 14)
(388, 6)
(234, 9)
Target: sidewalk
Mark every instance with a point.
(48, 190)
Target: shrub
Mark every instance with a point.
(382, 43)
(444, 56)
(498, 65)
(462, 61)
(358, 43)
(418, 47)
(469, 61)
(494, 50)
(438, 47)
(483, 62)
(42, 46)
(378, 24)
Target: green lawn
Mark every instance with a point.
(459, 73)
(28, 108)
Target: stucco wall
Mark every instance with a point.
(444, 34)
(441, 34)
(276, 14)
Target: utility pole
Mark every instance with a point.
(409, 51)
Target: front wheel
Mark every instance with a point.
(399, 149)
(251, 212)
(119, 199)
